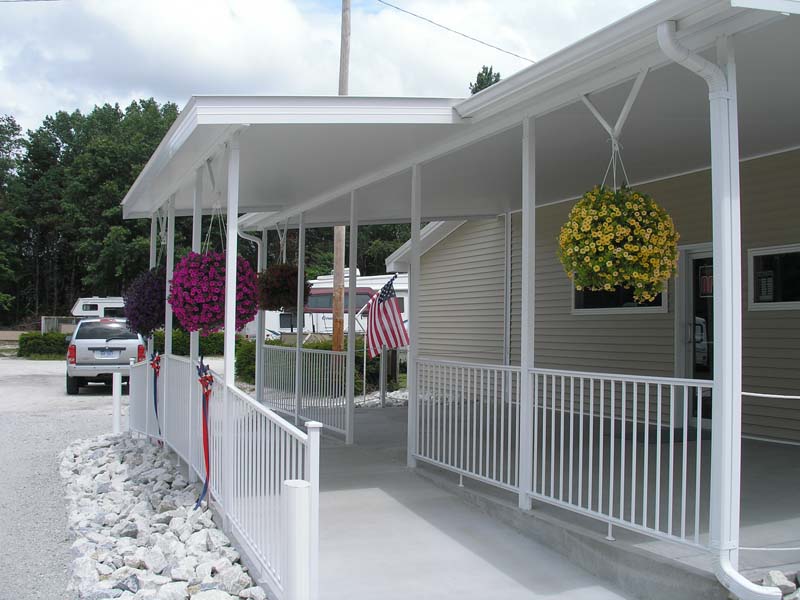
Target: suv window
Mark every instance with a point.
(114, 311)
(97, 330)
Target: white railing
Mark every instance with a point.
(323, 396)
(468, 417)
(624, 449)
(630, 451)
(178, 381)
(279, 378)
(253, 453)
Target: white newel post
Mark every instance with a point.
(168, 314)
(351, 321)
(301, 277)
(413, 314)
(231, 250)
(261, 323)
(194, 337)
(314, 429)
(525, 425)
(297, 493)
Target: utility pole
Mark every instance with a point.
(340, 230)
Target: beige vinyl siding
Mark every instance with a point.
(461, 295)
(516, 290)
(645, 343)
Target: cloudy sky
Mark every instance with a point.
(67, 54)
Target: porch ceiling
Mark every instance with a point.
(309, 153)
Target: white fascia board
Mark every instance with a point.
(611, 55)
(271, 110)
(431, 234)
(781, 6)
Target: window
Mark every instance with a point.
(774, 278)
(89, 307)
(320, 301)
(94, 330)
(114, 311)
(288, 321)
(617, 300)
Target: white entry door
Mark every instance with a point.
(696, 321)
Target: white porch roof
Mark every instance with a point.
(307, 154)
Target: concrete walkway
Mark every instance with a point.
(387, 533)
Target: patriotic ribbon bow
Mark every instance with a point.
(206, 380)
(155, 363)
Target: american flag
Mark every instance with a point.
(385, 327)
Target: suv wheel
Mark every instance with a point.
(72, 385)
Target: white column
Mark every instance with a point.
(351, 320)
(261, 323)
(194, 337)
(526, 433)
(726, 401)
(153, 239)
(413, 313)
(301, 277)
(170, 267)
(231, 250)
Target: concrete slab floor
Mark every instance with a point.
(386, 533)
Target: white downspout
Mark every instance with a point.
(726, 425)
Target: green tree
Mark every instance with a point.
(10, 149)
(485, 78)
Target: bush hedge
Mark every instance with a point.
(32, 343)
(210, 345)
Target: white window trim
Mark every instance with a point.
(752, 305)
(622, 310)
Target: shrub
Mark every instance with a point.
(33, 343)
(212, 344)
(246, 360)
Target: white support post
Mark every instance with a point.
(168, 312)
(153, 239)
(261, 323)
(526, 433)
(314, 429)
(298, 539)
(170, 267)
(150, 343)
(231, 250)
(194, 337)
(351, 321)
(413, 314)
(301, 277)
(726, 432)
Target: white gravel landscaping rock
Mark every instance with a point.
(373, 399)
(137, 532)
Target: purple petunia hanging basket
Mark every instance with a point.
(145, 301)
(197, 292)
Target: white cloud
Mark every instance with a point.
(76, 53)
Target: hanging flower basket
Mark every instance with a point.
(197, 292)
(145, 302)
(619, 238)
(277, 288)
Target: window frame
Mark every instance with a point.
(752, 305)
(620, 310)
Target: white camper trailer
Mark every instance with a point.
(99, 306)
(318, 317)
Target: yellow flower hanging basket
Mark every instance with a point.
(619, 238)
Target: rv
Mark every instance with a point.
(318, 317)
(99, 306)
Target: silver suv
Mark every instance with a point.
(98, 348)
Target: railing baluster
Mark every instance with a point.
(671, 457)
(580, 447)
(623, 448)
(685, 458)
(657, 496)
(698, 463)
(571, 430)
